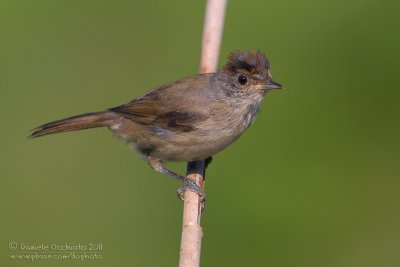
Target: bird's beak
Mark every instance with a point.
(273, 85)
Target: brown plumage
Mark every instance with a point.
(253, 62)
(79, 122)
(185, 120)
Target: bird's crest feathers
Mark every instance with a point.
(255, 62)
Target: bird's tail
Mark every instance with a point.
(84, 121)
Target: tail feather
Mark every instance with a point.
(79, 122)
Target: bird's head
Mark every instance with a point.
(250, 72)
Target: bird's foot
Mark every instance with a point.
(192, 186)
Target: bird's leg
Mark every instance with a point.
(156, 165)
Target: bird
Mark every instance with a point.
(185, 120)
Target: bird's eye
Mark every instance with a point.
(242, 79)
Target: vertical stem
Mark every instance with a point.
(212, 35)
(191, 229)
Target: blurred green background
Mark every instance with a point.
(314, 182)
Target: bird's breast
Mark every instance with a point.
(238, 114)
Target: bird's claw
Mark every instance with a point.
(192, 186)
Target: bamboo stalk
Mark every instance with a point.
(191, 230)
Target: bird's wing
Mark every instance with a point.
(177, 106)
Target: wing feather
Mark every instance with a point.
(161, 107)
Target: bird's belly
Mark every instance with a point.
(188, 146)
(200, 143)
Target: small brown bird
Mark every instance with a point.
(186, 120)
